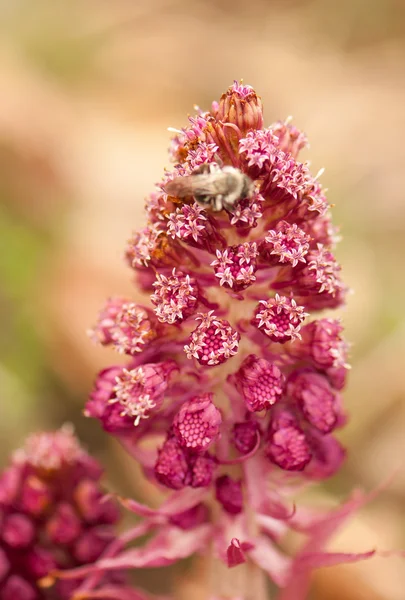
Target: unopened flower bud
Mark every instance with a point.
(171, 468)
(228, 492)
(245, 436)
(197, 423)
(64, 525)
(241, 106)
(35, 496)
(323, 344)
(287, 445)
(91, 544)
(316, 399)
(4, 565)
(18, 588)
(202, 469)
(17, 530)
(260, 382)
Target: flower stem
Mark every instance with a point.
(244, 582)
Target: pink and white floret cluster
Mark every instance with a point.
(231, 394)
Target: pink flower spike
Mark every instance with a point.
(279, 318)
(260, 382)
(213, 341)
(287, 445)
(39, 532)
(197, 424)
(175, 297)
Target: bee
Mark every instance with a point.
(213, 185)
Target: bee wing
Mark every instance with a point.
(180, 187)
(205, 184)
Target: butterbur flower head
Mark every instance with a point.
(213, 341)
(285, 244)
(235, 267)
(143, 247)
(260, 382)
(122, 397)
(125, 326)
(42, 523)
(175, 297)
(141, 390)
(188, 223)
(101, 403)
(233, 377)
(279, 318)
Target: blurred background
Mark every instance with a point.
(87, 91)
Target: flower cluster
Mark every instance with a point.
(52, 517)
(231, 391)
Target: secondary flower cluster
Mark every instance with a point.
(232, 385)
(51, 517)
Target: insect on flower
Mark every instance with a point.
(219, 187)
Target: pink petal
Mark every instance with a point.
(268, 557)
(330, 559)
(299, 583)
(168, 546)
(263, 500)
(320, 530)
(177, 502)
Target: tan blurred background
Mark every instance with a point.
(87, 90)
